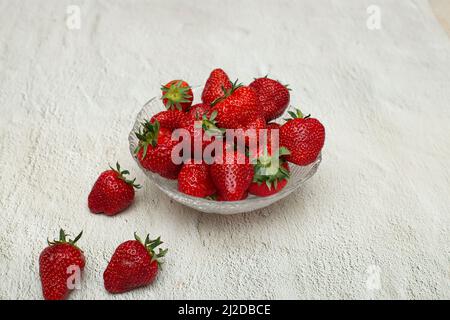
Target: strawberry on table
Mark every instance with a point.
(112, 192)
(177, 95)
(304, 137)
(217, 83)
(134, 264)
(195, 180)
(237, 108)
(57, 263)
(273, 97)
(154, 151)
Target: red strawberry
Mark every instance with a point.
(202, 129)
(154, 151)
(170, 119)
(177, 94)
(220, 198)
(273, 125)
(61, 260)
(112, 192)
(257, 125)
(266, 183)
(261, 189)
(217, 83)
(231, 178)
(134, 264)
(273, 97)
(237, 109)
(198, 110)
(194, 180)
(304, 137)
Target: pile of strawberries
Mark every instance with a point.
(227, 105)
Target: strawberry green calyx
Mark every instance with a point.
(265, 172)
(297, 115)
(227, 92)
(210, 125)
(63, 239)
(147, 135)
(123, 173)
(176, 94)
(151, 245)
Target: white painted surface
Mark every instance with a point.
(380, 198)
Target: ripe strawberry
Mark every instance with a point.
(198, 110)
(270, 178)
(237, 108)
(273, 125)
(304, 137)
(202, 129)
(134, 264)
(57, 263)
(112, 192)
(177, 94)
(231, 178)
(194, 180)
(170, 119)
(220, 198)
(273, 97)
(154, 151)
(217, 83)
(257, 125)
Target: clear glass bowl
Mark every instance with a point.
(299, 174)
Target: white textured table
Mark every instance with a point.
(379, 205)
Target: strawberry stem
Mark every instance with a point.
(63, 239)
(227, 92)
(297, 115)
(264, 162)
(147, 135)
(176, 94)
(151, 245)
(123, 173)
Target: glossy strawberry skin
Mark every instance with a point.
(257, 124)
(181, 99)
(131, 266)
(238, 109)
(194, 179)
(262, 190)
(214, 88)
(304, 138)
(198, 110)
(232, 179)
(170, 119)
(110, 194)
(220, 198)
(272, 96)
(158, 158)
(54, 264)
(273, 125)
(196, 134)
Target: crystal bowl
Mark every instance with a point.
(299, 174)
